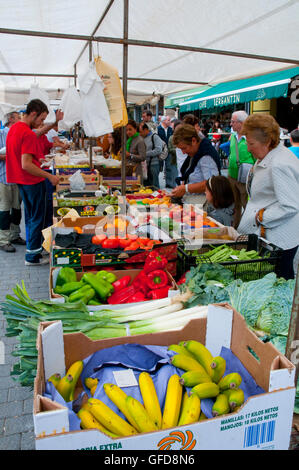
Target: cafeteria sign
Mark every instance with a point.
(220, 101)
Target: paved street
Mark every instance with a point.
(16, 402)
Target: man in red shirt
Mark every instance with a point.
(23, 168)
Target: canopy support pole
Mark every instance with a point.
(90, 139)
(292, 346)
(136, 42)
(125, 86)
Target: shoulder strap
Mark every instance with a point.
(237, 151)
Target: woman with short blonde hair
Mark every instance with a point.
(273, 187)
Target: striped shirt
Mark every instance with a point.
(3, 135)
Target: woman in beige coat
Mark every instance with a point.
(273, 187)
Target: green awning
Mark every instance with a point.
(271, 85)
(173, 100)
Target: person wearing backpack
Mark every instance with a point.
(154, 146)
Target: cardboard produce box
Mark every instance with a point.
(91, 178)
(264, 421)
(119, 274)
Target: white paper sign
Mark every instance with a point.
(125, 378)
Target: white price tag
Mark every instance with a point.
(234, 257)
(63, 261)
(125, 378)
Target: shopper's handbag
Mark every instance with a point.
(243, 168)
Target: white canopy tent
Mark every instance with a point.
(172, 44)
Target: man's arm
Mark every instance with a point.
(47, 127)
(34, 170)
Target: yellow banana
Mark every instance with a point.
(55, 379)
(206, 390)
(190, 410)
(109, 419)
(88, 421)
(75, 371)
(221, 406)
(90, 382)
(235, 397)
(180, 350)
(140, 415)
(202, 416)
(194, 377)
(118, 397)
(201, 354)
(218, 366)
(186, 363)
(150, 398)
(173, 401)
(93, 390)
(232, 380)
(65, 386)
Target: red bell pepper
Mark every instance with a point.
(160, 293)
(122, 296)
(182, 279)
(155, 261)
(138, 297)
(157, 279)
(140, 282)
(121, 283)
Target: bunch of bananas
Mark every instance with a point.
(205, 374)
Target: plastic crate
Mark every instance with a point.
(248, 270)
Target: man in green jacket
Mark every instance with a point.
(237, 139)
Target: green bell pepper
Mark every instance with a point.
(94, 302)
(102, 287)
(68, 288)
(81, 294)
(106, 275)
(65, 275)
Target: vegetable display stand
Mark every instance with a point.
(91, 178)
(87, 205)
(255, 257)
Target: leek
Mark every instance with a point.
(151, 314)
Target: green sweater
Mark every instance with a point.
(244, 155)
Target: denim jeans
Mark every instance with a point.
(171, 172)
(153, 175)
(49, 204)
(34, 200)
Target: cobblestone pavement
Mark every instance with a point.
(16, 402)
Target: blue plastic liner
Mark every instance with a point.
(152, 359)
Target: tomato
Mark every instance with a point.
(134, 246)
(110, 243)
(98, 239)
(132, 236)
(124, 242)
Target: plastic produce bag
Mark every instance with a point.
(77, 182)
(95, 114)
(37, 93)
(72, 109)
(113, 93)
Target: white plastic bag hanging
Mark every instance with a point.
(71, 107)
(95, 114)
(37, 93)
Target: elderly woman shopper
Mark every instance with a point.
(201, 163)
(273, 187)
(136, 148)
